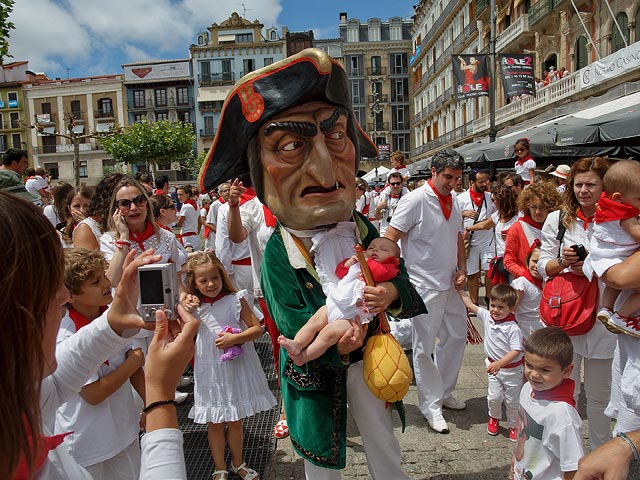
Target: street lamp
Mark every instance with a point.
(375, 110)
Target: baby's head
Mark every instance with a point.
(502, 301)
(620, 183)
(206, 275)
(382, 248)
(84, 277)
(548, 354)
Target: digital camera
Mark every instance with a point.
(158, 290)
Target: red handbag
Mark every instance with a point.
(569, 303)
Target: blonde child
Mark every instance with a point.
(344, 302)
(529, 288)
(103, 417)
(225, 391)
(503, 346)
(616, 235)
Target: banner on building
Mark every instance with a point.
(517, 75)
(618, 63)
(471, 76)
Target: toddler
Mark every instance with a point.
(529, 289)
(503, 346)
(344, 302)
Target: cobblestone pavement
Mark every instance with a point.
(468, 452)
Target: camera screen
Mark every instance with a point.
(151, 287)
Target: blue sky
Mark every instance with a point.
(77, 38)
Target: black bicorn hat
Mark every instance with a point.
(308, 76)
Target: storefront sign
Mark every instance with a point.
(617, 63)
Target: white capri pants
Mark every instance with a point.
(505, 386)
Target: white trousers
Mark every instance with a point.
(597, 387)
(123, 466)
(375, 424)
(242, 277)
(624, 405)
(505, 386)
(446, 321)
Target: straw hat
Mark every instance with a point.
(562, 171)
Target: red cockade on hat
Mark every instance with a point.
(252, 103)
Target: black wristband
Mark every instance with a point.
(158, 404)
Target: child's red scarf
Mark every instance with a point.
(521, 161)
(561, 393)
(608, 210)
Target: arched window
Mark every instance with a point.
(581, 53)
(274, 35)
(617, 41)
(201, 39)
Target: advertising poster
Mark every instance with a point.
(471, 76)
(517, 75)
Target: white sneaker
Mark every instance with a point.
(184, 381)
(452, 403)
(626, 325)
(181, 397)
(438, 424)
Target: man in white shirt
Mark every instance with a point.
(212, 216)
(389, 199)
(476, 205)
(428, 224)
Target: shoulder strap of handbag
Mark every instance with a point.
(477, 219)
(561, 231)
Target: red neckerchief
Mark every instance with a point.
(192, 202)
(509, 318)
(527, 219)
(80, 321)
(221, 200)
(608, 210)
(269, 217)
(164, 227)
(206, 299)
(40, 454)
(157, 191)
(446, 202)
(476, 197)
(527, 274)
(147, 233)
(585, 220)
(247, 195)
(561, 393)
(393, 195)
(521, 161)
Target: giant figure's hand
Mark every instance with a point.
(377, 299)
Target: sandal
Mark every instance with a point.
(250, 473)
(224, 475)
(281, 430)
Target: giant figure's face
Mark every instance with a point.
(308, 166)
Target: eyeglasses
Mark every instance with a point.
(395, 184)
(520, 150)
(125, 203)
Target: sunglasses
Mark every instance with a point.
(395, 184)
(125, 203)
(520, 150)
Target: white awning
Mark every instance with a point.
(213, 94)
(627, 101)
(104, 127)
(78, 128)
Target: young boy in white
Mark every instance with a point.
(616, 235)
(103, 418)
(549, 441)
(503, 346)
(189, 220)
(529, 289)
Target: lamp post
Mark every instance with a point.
(375, 110)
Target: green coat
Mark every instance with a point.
(315, 395)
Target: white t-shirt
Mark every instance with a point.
(99, 431)
(528, 311)
(392, 204)
(523, 170)
(430, 246)
(212, 216)
(499, 338)
(35, 184)
(481, 238)
(226, 250)
(190, 223)
(499, 229)
(252, 216)
(404, 171)
(50, 212)
(551, 433)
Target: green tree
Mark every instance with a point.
(193, 163)
(154, 143)
(6, 7)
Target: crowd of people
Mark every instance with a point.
(279, 223)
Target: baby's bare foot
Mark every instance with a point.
(289, 345)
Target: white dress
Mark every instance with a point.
(231, 390)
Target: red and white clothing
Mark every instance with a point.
(549, 438)
(235, 257)
(594, 349)
(392, 203)
(77, 358)
(500, 232)
(189, 230)
(519, 240)
(501, 338)
(430, 250)
(164, 243)
(610, 244)
(366, 205)
(212, 218)
(528, 309)
(481, 241)
(522, 167)
(403, 170)
(101, 432)
(36, 183)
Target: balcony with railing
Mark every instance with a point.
(64, 148)
(382, 97)
(139, 105)
(104, 113)
(434, 31)
(225, 78)
(373, 71)
(207, 132)
(513, 32)
(378, 127)
(481, 6)
(541, 9)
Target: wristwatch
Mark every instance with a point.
(464, 269)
